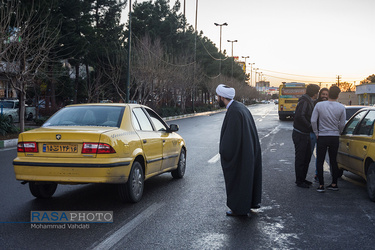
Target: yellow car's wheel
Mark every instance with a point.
(179, 172)
(371, 181)
(42, 190)
(132, 190)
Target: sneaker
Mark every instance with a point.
(320, 189)
(334, 188)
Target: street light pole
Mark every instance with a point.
(232, 41)
(245, 64)
(255, 79)
(221, 25)
(251, 73)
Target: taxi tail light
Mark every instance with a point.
(29, 147)
(281, 107)
(97, 148)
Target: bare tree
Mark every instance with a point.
(26, 39)
(113, 65)
(147, 69)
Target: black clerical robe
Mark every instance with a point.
(241, 159)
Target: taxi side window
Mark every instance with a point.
(366, 127)
(143, 122)
(159, 125)
(352, 124)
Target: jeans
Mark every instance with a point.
(330, 143)
(313, 143)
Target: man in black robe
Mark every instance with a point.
(240, 154)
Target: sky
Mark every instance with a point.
(311, 41)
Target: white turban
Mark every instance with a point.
(225, 91)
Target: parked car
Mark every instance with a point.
(10, 108)
(352, 109)
(124, 144)
(357, 147)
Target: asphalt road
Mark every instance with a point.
(190, 213)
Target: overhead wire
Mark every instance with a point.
(295, 80)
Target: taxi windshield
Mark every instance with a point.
(107, 116)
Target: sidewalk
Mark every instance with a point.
(13, 142)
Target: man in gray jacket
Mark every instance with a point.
(328, 121)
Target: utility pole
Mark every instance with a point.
(127, 86)
(338, 81)
(195, 55)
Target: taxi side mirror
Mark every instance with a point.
(173, 128)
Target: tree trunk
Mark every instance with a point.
(22, 110)
(76, 82)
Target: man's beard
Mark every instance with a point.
(221, 104)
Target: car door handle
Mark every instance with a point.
(144, 141)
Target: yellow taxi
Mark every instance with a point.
(357, 147)
(124, 144)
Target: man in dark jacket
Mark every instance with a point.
(240, 153)
(301, 134)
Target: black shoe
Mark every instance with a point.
(231, 213)
(334, 188)
(307, 182)
(320, 189)
(255, 206)
(303, 185)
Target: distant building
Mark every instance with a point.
(366, 94)
(348, 98)
(262, 86)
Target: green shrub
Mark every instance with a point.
(170, 111)
(41, 120)
(6, 126)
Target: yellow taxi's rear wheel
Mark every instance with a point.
(371, 181)
(179, 172)
(132, 190)
(42, 190)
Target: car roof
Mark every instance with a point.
(107, 104)
(357, 106)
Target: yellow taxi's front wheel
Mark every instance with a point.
(371, 181)
(132, 190)
(179, 172)
(42, 190)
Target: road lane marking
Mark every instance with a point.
(128, 227)
(214, 159)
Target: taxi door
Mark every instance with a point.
(360, 142)
(171, 147)
(151, 141)
(344, 155)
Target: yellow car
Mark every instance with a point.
(357, 147)
(99, 143)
